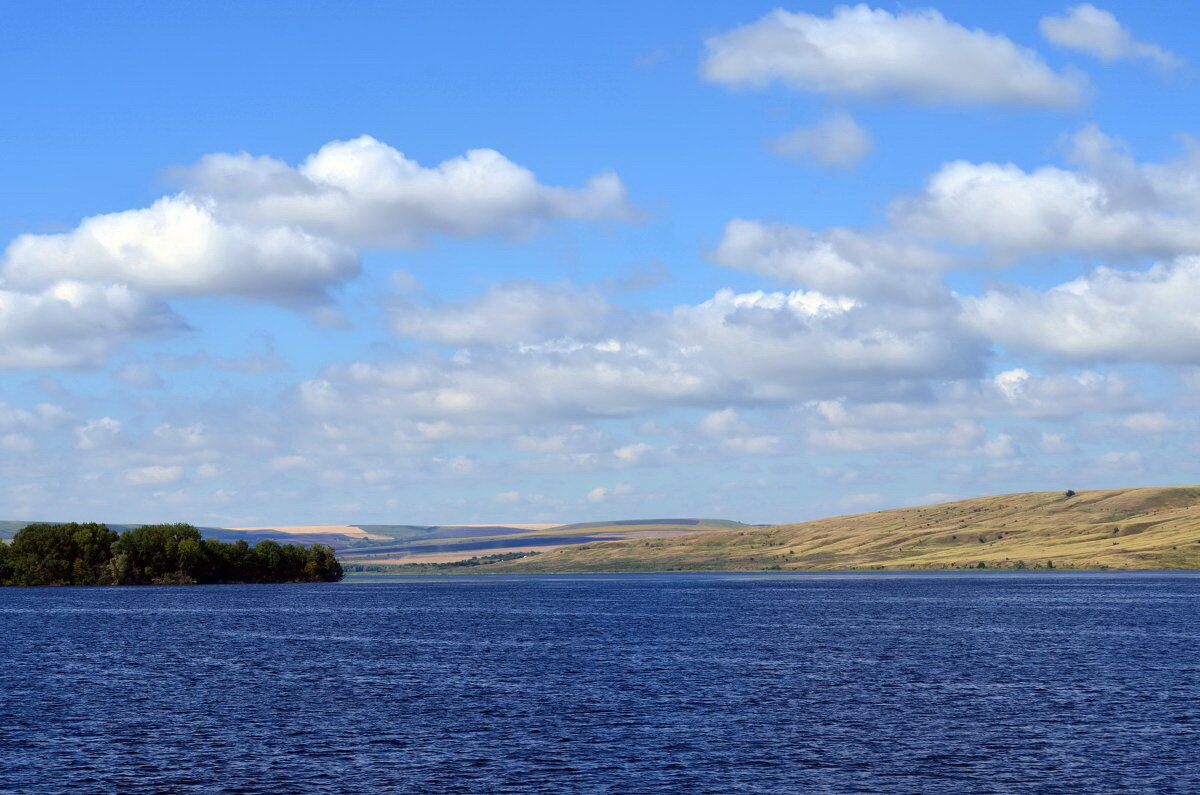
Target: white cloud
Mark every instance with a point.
(180, 246)
(752, 445)
(864, 500)
(366, 193)
(1109, 314)
(858, 51)
(17, 442)
(153, 475)
(1060, 395)
(18, 426)
(75, 325)
(182, 437)
(722, 424)
(836, 141)
(138, 374)
(1055, 443)
(949, 418)
(97, 434)
(258, 228)
(1097, 32)
(1111, 206)
(522, 312)
(836, 261)
(1153, 422)
(1122, 460)
(632, 454)
(957, 436)
(603, 493)
(804, 344)
(1000, 446)
(288, 462)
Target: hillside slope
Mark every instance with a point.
(463, 542)
(1143, 528)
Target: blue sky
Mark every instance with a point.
(317, 262)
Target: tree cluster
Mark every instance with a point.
(163, 554)
(478, 560)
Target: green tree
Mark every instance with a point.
(92, 554)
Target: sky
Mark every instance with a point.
(430, 263)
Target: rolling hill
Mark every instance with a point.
(1142, 528)
(389, 545)
(458, 542)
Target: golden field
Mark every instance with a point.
(1140, 528)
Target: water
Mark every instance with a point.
(697, 683)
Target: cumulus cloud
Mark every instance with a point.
(153, 475)
(1154, 422)
(1055, 443)
(1097, 32)
(723, 423)
(837, 261)
(958, 435)
(949, 417)
(75, 325)
(836, 141)
(1109, 314)
(603, 493)
(97, 434)
(735, 435)
(366, 193)
(804, 344)
(1110, 206)
(510, 314)
(258, 228)
(19, 426)
(179, 246)
(863, 500)
(1058, 395)
(858, 51)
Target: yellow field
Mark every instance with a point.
(1142, 528)
(532, 541)
(319, 529)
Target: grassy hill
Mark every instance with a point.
(453, 543)
(1144, 528)
(373, 546)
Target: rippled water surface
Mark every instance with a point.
(951, 683)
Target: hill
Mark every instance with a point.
(388, 545)
(1143, 528)
(450, 543)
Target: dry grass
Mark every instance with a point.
(505, 524)
(1146, 528)
(319, 529)
(433, 550)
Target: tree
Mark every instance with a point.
(92, 554)
(6, 570)
(61, 554)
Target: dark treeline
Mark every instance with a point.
(162, 554)
(478, 560)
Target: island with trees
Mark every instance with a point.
(163, 554)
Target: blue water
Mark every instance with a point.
(689, 683)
